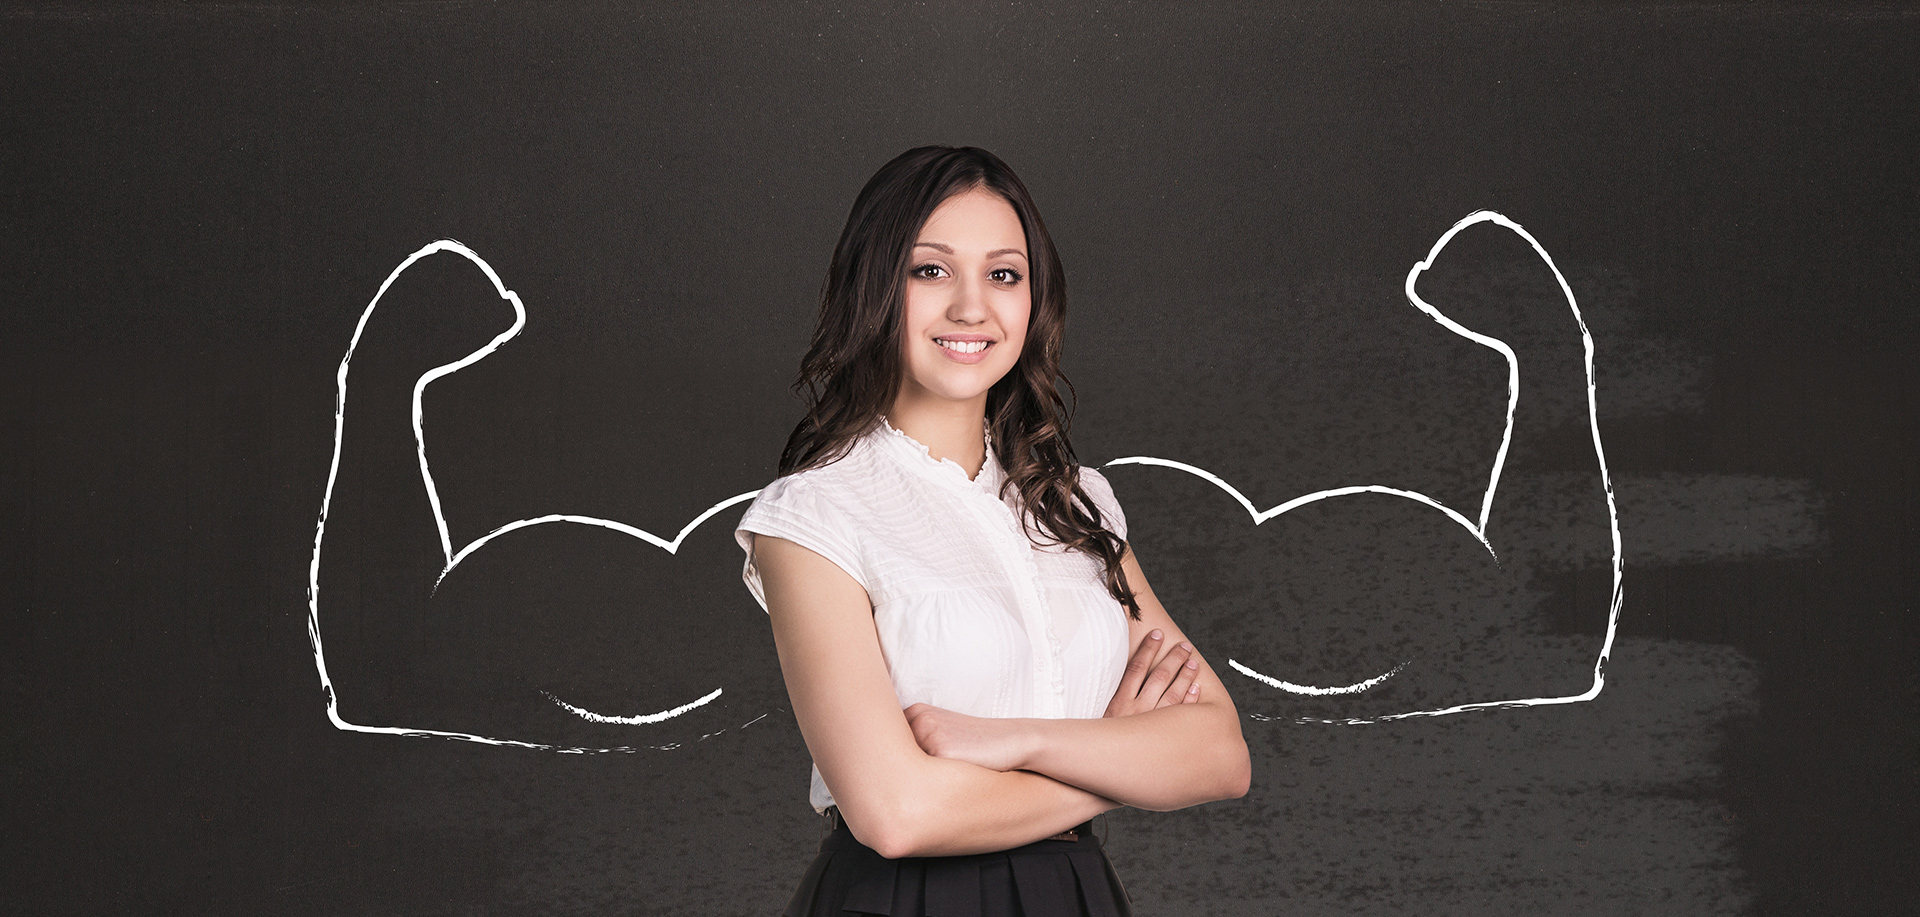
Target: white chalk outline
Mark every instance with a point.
(1478, 530)
(637, 720)
(453, 557)
(1288, 686)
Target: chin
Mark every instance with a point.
(976, 387)
(962, 386)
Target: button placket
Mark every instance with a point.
(1006, 532)
(1050, 681)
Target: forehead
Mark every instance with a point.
(975, 219)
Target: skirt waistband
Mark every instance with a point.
(1041, 879)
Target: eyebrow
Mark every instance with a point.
(992, 254)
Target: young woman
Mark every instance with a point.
(974, 657)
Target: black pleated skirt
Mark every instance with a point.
(1041, 879)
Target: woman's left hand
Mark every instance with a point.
(1152, 681)
(991, 743)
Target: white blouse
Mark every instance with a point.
(972, 615)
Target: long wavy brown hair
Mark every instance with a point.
(852, 369)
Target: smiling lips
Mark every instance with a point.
(965, 348)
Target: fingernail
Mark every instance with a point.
(1193, 663)
(1155, 634)
(1186, 646)
(1194, 690)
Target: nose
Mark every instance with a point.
(969, 304)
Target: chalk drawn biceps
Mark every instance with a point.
(1477, 528)
(453, 557)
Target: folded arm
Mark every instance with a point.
(1169, 756)
(895, 797)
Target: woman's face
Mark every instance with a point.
(967, 300)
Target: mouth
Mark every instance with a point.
(964, 346)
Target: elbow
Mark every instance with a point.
(1239, 777)
(1235, 766)
(1236, 769)
(888, 827)
(1232, 773)
(1224, 772)
(894, 843)
(1228, 777)
(1231, 781)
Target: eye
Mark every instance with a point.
(1004, 275)
(928, 272)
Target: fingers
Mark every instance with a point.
(1154, 692)
(1140, 665)
(1152, 680)
(1183, 689)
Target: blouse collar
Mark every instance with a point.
(916, 455)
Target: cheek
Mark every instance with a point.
(1015, 318)
(915, 317)
(919, 307)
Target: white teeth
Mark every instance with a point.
(962, 346)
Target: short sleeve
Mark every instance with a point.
(1101, 493)
(793, 509)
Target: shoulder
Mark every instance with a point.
(837, 484)
(817, 509)
(813, 499)
(1095, 483)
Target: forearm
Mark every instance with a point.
(897, 798)
(1163, 759)
(943, 807)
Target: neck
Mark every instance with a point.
(951, 430)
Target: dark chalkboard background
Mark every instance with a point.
(200, 201)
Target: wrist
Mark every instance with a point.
(1029, 742)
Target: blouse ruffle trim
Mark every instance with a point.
(979, 481)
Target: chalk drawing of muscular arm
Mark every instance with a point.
(1561, 362)
(367, 420)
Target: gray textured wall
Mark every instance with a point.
(200, 202)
